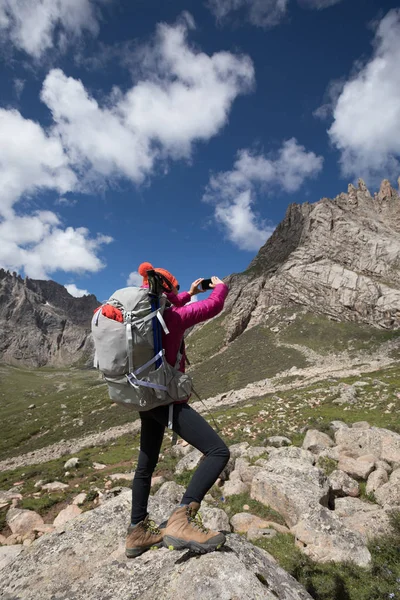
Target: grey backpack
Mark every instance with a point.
(130, 353)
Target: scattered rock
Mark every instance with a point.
(54, 486)
(214, 518)
(361, 425)
(293, 452)
(79, 499)
(31, 406)
(157, 480)
(388, 494)
(22, 521)
(342, 484)
(382, 443)
(316, 441)
(67, 514)
(376, 479)
(72, 463)
(358, 469)
(99, 466)
(189, 462)
(233, 488)
(242, 522)
(347, 394)
(257, 534)
(278, 441)
(123, 476)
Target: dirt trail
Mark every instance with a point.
(329, 366)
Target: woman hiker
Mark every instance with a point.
(182, 529)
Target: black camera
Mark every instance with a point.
(205, 284)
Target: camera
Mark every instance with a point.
(205, 284)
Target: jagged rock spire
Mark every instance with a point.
(386, 191)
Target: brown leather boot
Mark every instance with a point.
(185, 530)
(141, 537)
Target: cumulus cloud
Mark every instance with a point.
(134, 279)
(39, 25)
(30, 160)
(366, 125)
(234, 193)
(75, 291)
(182, 97)
(185, 97)
(39, 245)
(262, 13)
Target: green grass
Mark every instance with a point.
(206, 341)
(82, 393)
(234, 504)
(252, 356)
(322, 335)
(343, 581)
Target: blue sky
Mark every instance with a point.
(179, 132)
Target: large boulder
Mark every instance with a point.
(22, 522)
(316, 441)
(342, 484)
(87, 562)
(382, 443)
(367, 519)
(325, 538)
(388, 494)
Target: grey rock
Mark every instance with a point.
(376, 480)
(235, 487)
(87, 562)
(72, 463)
(388, 494)
(301, 470)
(361, 425)
(358, 469)
(189, 462)
(278, 441)
(238, 450)
(315, 439)
(327, 539)
(8, 554)
(178, 450)
(347, 507)
(292, 452)
(214, 518)
(261, 534)
(395, 476)
(54, 486)
(22, 521)
(336, 425)
(382, 443)
(342, 484)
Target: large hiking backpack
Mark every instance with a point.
(130, 353)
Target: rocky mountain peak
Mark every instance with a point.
(41, 323)
(337, 257)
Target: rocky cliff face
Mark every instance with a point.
(41, 323)
(336, 257)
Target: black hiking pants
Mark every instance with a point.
(195, 430)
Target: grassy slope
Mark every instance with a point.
(68, 404)
(261, 353)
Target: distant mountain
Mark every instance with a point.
(42, 324)
(339, 258)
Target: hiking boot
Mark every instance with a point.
(185, 530)
(141, 537)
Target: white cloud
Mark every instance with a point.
(36, 26)
(184, 97)
(38, 245)
(234, 192)
(366, 126)
(30, 161)
(134, 279)
(262, 13)
(318, 4)
(75, 291)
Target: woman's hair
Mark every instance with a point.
(146, 266)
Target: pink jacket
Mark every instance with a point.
(182, 316)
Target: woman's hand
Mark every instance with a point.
(215, 281)
(194, 288)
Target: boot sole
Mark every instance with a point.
(135, 552)
(173, 543)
